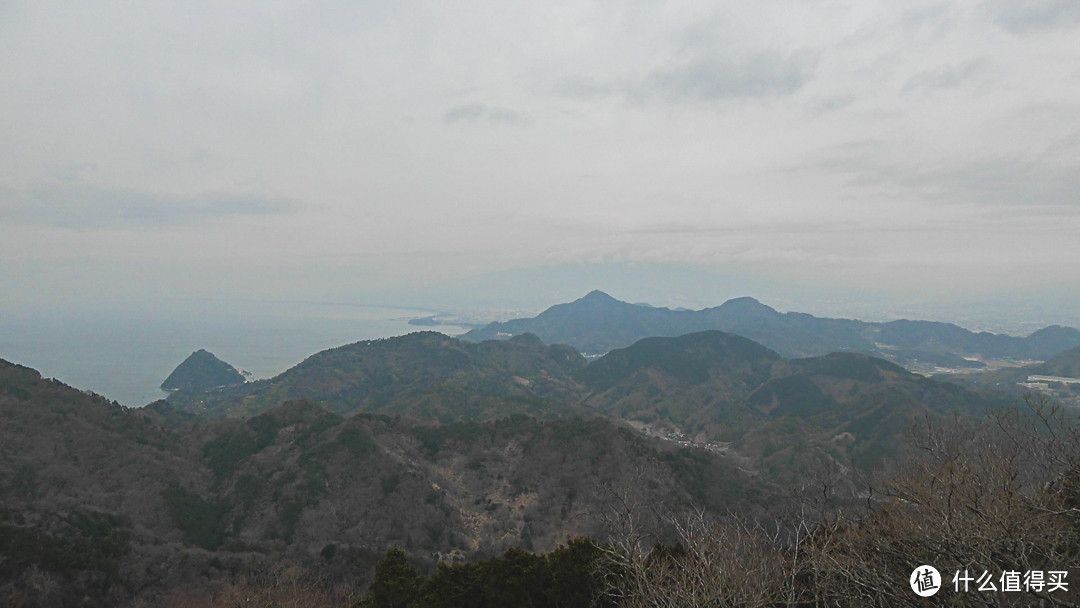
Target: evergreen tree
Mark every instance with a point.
(396, 585)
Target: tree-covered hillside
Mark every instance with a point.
(722, 391)
(110, 503)
(425, 374)
(202, 371)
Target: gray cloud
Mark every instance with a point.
(761, 74)
(689, 115)
(1033, 16)
(74, 204)
(1001, 180)
(937, 18)
(583, 89)
(947, 77)
(704, 229)
(475, 112)
(757, 75)
(831, 104)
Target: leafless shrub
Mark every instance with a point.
(714, 562)
(1001, 495)
(277, 586)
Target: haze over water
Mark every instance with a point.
(125, 355)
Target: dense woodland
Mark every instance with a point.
(697, 470)
(1001, 496)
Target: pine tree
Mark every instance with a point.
(396, 585)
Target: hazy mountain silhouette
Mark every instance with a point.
(711, 385)
(425, 374)
(598, 323)
(1066, 364)
(202, 371)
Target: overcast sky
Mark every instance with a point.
(335, 150)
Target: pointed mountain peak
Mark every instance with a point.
(203, 355)
(201, 371)
(595, 301)
(597, 296)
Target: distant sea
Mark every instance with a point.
(125, 355)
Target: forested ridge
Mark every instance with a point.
(702, 469)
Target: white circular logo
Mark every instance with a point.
(925, 581)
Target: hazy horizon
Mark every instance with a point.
(124, 354)
(848, 159)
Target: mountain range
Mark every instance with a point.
(427, 374)
(710, 388)
(598, 323)
(454, 449)
(101, 503)
(110, 503)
